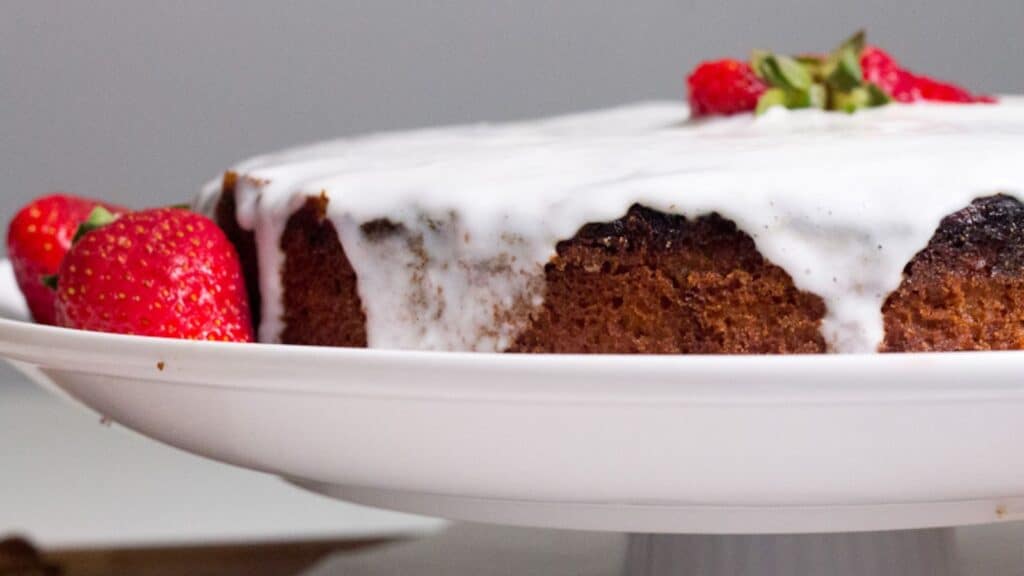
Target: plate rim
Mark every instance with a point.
(785, 378)
(658, 378)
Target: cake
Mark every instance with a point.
(642, 230)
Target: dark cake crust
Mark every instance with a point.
(965, 290)
(244, 241)
(656, 283)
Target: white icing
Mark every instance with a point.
(841, 202)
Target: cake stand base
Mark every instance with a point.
(880, 540)
(662, 518)
(901, 553)
(486, 550)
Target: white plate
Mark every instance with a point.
(642, 444)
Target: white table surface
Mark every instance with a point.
(68, 481)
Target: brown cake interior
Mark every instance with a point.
(661, 284)
(321, 301)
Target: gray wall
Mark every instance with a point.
(142, 101)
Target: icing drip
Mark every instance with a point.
(841, 202)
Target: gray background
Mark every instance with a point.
(141, 102)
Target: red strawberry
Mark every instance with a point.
(938, 91)
(902, 85)
(38, 238)
(165, 272)
(882, 70)
(724, 87)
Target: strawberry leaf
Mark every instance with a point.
(878, 96)
(816, 96)
(835, 81)
(854, 43)
(781, 71)
(771, 98)
(98, 218)
(844, 71)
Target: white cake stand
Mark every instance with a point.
(715, 462)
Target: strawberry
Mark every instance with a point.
(165, 272)
(724, 87)
(852, 77)
(882, 70)
(38, 238)
(903, 85)
(938, 91)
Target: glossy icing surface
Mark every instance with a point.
(841, 202)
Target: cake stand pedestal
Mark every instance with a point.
(666, 540)
(902, 553)
(488, 550)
